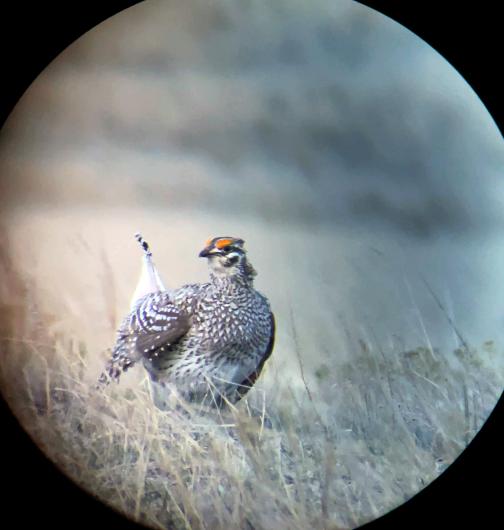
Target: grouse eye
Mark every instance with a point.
(227, 248)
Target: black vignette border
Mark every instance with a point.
(464, 496)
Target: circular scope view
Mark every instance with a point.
(250, 263)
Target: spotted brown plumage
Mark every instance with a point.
(209, 341)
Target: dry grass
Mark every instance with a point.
(174, 121)
(340, 452)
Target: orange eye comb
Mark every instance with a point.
(221, 243)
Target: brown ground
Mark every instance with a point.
(331, 436)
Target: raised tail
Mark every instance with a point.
(149, 281)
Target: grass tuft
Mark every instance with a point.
(345, 445)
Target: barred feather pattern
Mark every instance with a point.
(205, 340)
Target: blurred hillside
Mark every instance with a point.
(349, 152)
(365, 177)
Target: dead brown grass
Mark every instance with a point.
(368, 436)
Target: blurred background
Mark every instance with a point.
(362, 171)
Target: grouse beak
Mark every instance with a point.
(209, 251)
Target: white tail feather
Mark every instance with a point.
(150, 280)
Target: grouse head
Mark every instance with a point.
(227, 258)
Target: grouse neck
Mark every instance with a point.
(231, 283)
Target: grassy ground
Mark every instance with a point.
(334, 448)
(163, 129)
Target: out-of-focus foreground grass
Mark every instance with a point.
(364, 437)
